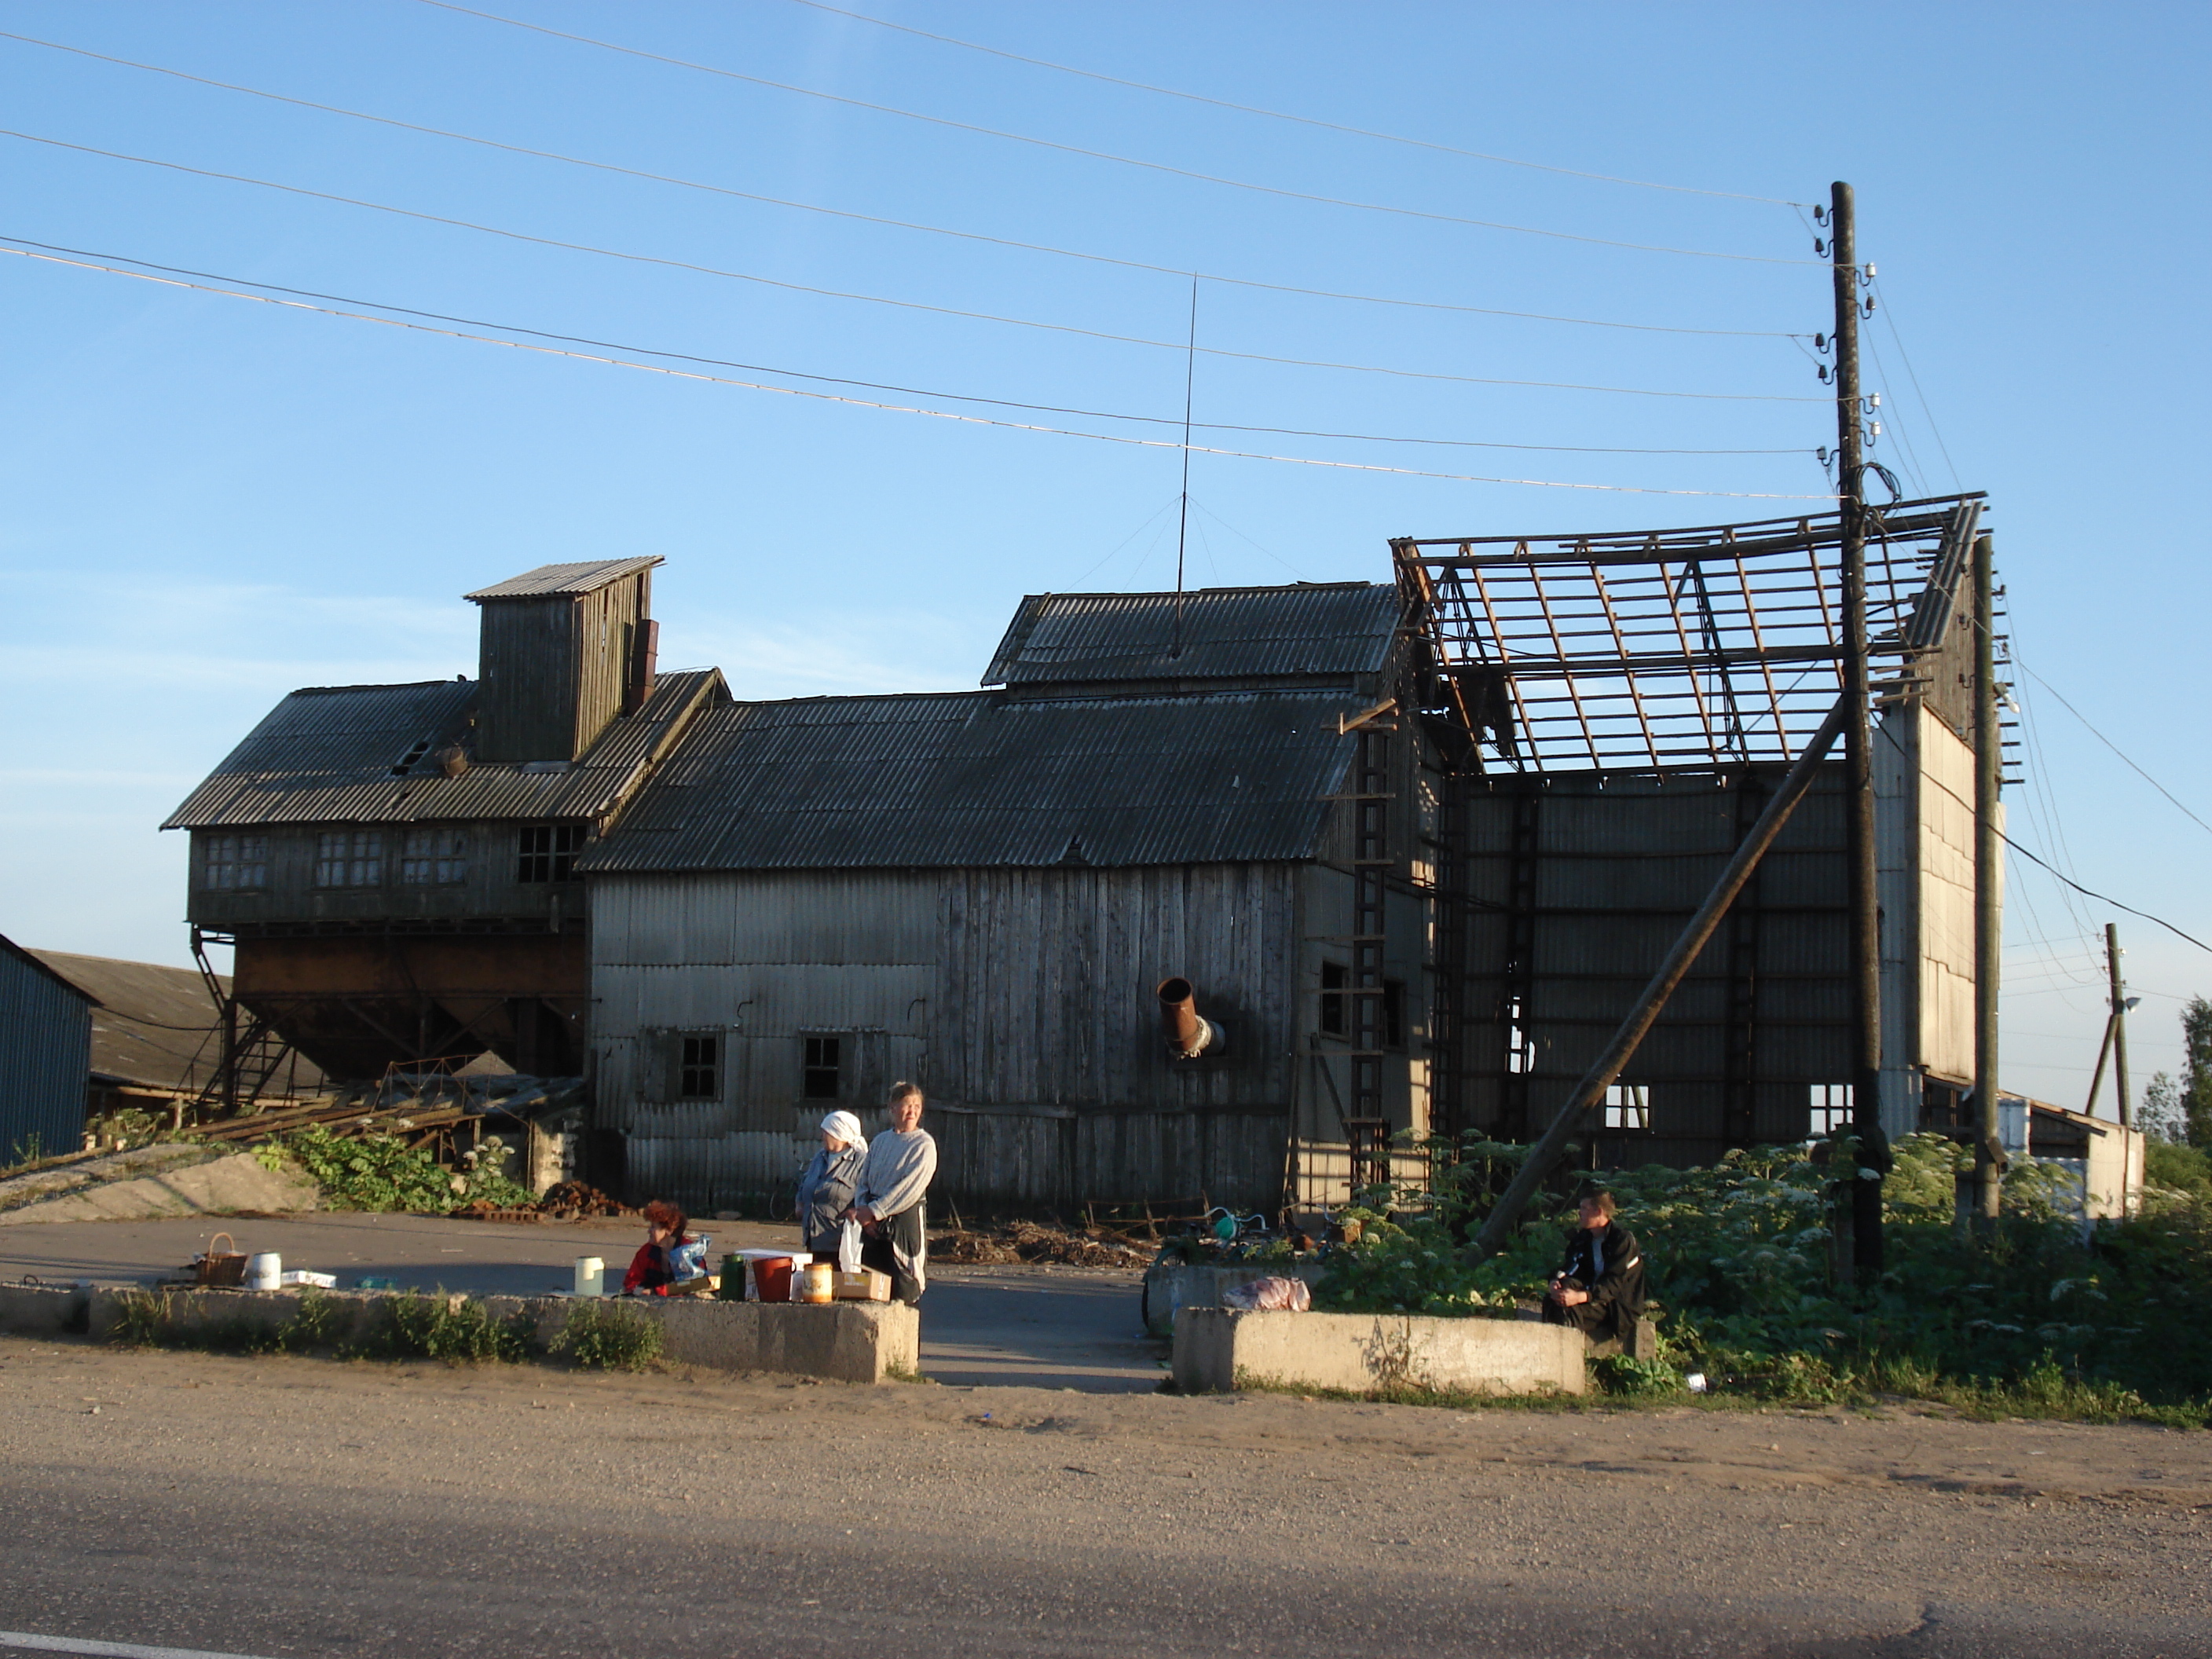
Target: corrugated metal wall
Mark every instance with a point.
(1022, 1000)
(1577, 885)
(45, 1058)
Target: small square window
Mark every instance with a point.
(547, 852)
(699, 1068)
(1628, 1106)
(1830, 1109)
(350, 858)
(233, 862)
(434, 858)
(821, 1077)
(1335, 1019)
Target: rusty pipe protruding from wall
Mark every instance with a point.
(1189, 1034)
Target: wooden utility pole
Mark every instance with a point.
(1865, 930)
(1989, 875)
(2119, 1021)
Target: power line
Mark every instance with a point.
(901, 224)
(1889, 315)
(1107, 156)
(883, 300)
(1302, 120)
(841, 380)
(897, 408)
(2109, 743)
(2102, 898)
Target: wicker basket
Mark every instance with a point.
(221, 1266)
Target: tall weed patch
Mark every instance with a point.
(2029, 1316)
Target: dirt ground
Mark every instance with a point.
(309, 1507)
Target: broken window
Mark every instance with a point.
(548, 852)
(1830, 1109)
(234, 861)
(821, 1075)
(406, 763)
(1520, 1045)
(350, 858)
(1394, 1013)
(1335, 1015)
(699, 1068)
(434, 858)
(1628, 1106)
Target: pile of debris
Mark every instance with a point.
(567, 1200)
(1029, 1241)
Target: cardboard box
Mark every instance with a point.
(866, 1285)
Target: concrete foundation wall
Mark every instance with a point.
(1216, 1349)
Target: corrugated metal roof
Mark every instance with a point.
(1334, 630)
(550, 579)
(325, 755)
(970, 779)
(154, 1023)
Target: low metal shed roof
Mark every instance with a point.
(548, 579)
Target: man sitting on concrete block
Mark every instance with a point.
(1599, 1288)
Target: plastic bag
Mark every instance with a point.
(1271, 1294)
(848, 1248)
(689, 1258)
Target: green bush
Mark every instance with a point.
(383, 1173)
(609, 1336)
(2179, 1169)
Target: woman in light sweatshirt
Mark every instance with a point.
(901, 1162)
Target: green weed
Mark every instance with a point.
(608, 1336)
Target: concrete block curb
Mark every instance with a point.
(843, 1342)
(1173, 1285)
(1221, 1349)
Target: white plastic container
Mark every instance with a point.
(264, 1272)
(591, 1276)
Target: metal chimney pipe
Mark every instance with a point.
(1190, 1035)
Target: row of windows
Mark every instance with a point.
(699, 1067)
(437, 857)
(1628, 1108)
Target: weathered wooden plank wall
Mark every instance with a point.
(1022, 1000)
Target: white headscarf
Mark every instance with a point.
(845, 1127)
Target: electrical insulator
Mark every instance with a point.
(1819, 343)
(1869, 272)
(1875, 431)
(1819, 246)
(1875, 402)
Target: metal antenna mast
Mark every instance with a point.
(1183, 525)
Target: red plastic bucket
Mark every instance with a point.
(773, 1278)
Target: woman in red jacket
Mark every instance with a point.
(649, 1272)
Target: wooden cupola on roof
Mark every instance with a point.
(565, 648)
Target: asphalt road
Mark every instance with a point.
(1043, 1326)
(306, 1508)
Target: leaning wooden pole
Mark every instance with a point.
(1692, 939)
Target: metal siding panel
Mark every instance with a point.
(45, 1054)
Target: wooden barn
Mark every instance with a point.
(395, 864)
(986, 891)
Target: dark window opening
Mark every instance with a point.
(698, 1070)
(1394, 1013)
(548, 852)
(1334, 976)
(820, 1077)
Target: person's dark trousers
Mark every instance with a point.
(1592, 1321)
(905, 1229)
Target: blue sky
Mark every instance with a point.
(212, 502)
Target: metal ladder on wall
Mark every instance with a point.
(1367, 1125)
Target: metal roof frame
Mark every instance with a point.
(1672, 649)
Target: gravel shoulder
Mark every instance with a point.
(295, 1506)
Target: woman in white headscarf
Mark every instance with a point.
(826, 1189)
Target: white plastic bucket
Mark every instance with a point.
(264, 1272)
(591, 1276)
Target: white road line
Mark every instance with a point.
(35, 1644)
